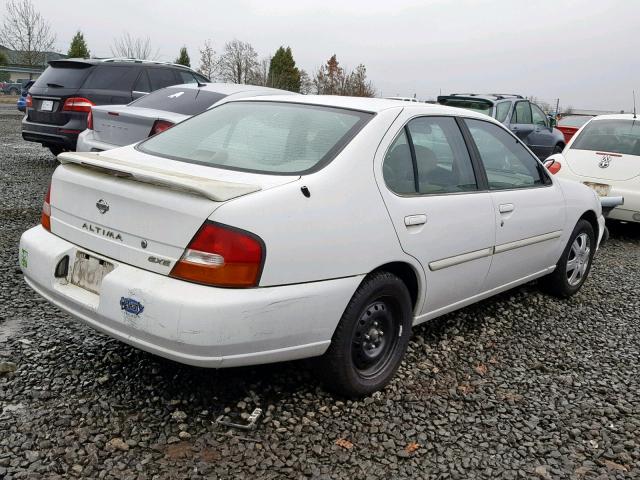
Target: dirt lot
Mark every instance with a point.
(519, 386)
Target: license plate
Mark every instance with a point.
(600, 188)
(46, 105)
(89, 271)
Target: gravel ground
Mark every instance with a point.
(519, 386)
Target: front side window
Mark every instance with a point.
(522, 113)
(538, 116)
(187, 77)
(610, 136)
(262, 137)
(502, 110)
(434, 149)
(507, 163)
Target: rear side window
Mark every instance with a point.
(502, 110)
(611, 136)
(264, 137)
(112, 77)
(69, 75)
(522, 113)
(142, 83)
(186, 101)
(507, 163)
(434, 149)
(161, 77)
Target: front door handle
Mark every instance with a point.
(506, 208)
(412, 220)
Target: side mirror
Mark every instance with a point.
(552, 121)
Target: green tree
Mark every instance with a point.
(4, 76)
(283, 72)
(78, 47)
(3, 59)
(183, 58)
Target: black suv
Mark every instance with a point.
(525, 119)
(61, 98)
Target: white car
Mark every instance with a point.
(278, 228)
(605, 155)
(112, 126)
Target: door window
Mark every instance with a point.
(508, 164)
(429, 157)
(161, 77)
(397, 168)
(502, 110)
(522, 113)
(539, 118)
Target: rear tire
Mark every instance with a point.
(371, 338)
(575, 263)
(56, 149)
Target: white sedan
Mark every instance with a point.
(280, 228)
(605, 155)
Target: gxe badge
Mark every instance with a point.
(102, 206)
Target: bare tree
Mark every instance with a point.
(260, 74)
(237, 62)
(130, 47)
(27, 32)
(208, 62)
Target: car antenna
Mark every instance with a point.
(634, 105)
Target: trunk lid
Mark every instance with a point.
(603, 165)
(139, 209)
(122, 125)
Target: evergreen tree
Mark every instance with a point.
(78, 47)
(184, 59)
(283, 72)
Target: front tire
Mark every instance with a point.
(575, 263)
(371, 338)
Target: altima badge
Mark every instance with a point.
(102, 206)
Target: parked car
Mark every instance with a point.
(21, 104)
(570, 124)
(112, 126)
(286, 227)
(605, 155)
(13, 88)
(524, 118)
(61, 98)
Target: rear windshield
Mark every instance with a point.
(573, 121)
(186, 101)
(469, 104)
(69, 75)
(263, 137)
(612, 136)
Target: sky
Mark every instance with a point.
(584, 52)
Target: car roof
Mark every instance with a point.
(367, 104)
(229, 88)
(492, 97)
(616, 116)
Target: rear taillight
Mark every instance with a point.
(45, 219)
(77, 104)
(90, 120)
(553, 166)
(29, 101)
(160, 126)
(222, 256)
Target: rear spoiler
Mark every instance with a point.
(215, 190)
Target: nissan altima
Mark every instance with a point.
(285, 227)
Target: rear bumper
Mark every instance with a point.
(189, 323)
(87, 143)
(48, 134)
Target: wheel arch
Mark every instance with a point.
(409, 276)
(591, 217)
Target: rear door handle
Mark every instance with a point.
(415, 220)
(506, 208)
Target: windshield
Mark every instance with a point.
(614, 136)
(185, 101)
(574, 121)
(264, 137)
(480, 106)
(69, 75)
